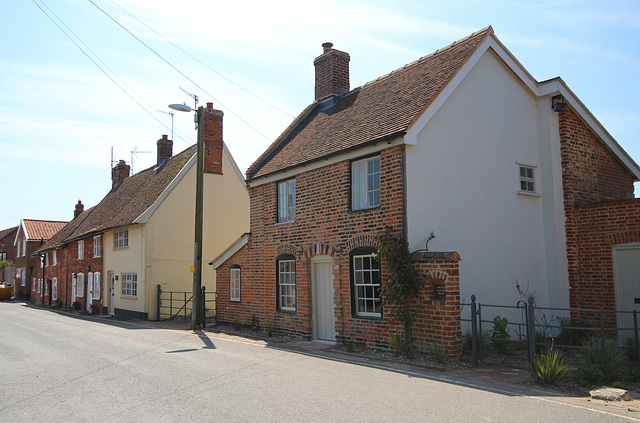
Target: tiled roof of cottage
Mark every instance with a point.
(381, 109)
(125, 202)
(7, 232)
(58, 240)
(41, 229)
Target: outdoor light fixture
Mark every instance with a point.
(197, 253)
(557, 103)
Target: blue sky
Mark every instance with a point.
(60, 115)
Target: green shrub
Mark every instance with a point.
(396, 344)
(236, 325)
(255, 323)
(588, 376)
(630, 349)
(592, 354)
(349, 346)
(549, 366)
(437, 352)
(270, 330)
(500, 337)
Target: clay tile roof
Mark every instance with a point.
(41, 229)
(124, 203)
(380, 110)
(6, 232)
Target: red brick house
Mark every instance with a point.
(486, 170)
(31, 235)
(8, 253)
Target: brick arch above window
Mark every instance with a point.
(438, 275)
(625, 237)
(286, 249)
(363, 241)
(320, 248)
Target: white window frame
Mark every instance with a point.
(18, 249)
(121, 239)
(46, 259)
(97, 246)
(34, 284)
(89, 286)
(81, 250)
(46, 288)
(129, 285)
(80, 285)
(20, 270)
(527, 179)
(365, 183)
(234, 284)
(96, 286)
(37, 284)
(287, 201)
(287, 284)
(365, 286)
(54, 289)
(54, 258)
(24, 247)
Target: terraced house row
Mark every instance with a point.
(495, 178)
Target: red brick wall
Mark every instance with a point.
(591, 176)
(67, 265)
(325, 225)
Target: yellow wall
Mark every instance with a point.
(170, 232)
(127, 260)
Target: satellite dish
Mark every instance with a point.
(180, 107)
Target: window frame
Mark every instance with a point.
(234, 283)
(54, 258)
(97, 246)
(24, 247)
(54, 289)
(79, 285)
(527, 180)
(46, 259)
(81, 249)
(96, 285)
(374, 265)
(121, 237)
(287, 278)
(370, 196)
(284, 197)
(130, 286)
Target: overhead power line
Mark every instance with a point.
(94, 61)
(201, 62)
(179, 71)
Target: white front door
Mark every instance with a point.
(626, 265)
(111, 291)
(324, 319)
(74, 280)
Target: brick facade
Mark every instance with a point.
(599, 209)
(324, 226)
(30, 269)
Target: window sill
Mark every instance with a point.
(286, 311)
(127, 297)
(370, 318)
(284, 223)
(120, 248)
(529, 194)
(365, 209)
(234, 301)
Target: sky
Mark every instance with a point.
(62, 114)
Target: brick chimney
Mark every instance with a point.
(212, 140)
(78, 210)
(165, 148)
(119, 173)
(332, 71)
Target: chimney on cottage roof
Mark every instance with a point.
(332, 71)
(165, 149)
(119, 173)
(213, 143)
(78, 210)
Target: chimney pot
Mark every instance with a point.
(209, 105)
(164, 137)
(326, 47)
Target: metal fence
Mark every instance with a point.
(515, 341)
(171, 305)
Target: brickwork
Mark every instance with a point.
(332, 72)
(212, 140)
(67, 266)
(33, 269)
(599, 212)
(325, 226)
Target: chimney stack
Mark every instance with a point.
(332, 71)
(78, 210)
(119, 173)
(212, 121)
(165, 149)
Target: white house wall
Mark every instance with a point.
(463, 183)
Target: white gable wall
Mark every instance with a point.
(463, 183)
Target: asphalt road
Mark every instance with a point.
(62, 367)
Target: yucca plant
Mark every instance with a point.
(549, 366)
